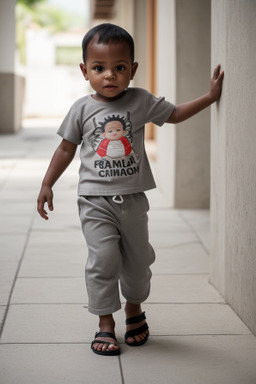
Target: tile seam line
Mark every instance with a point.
(47, 343)
(123, 302)
(85, 306)
(16, 274)
(82, 277)
(181, 244)
(203, 334)
(121, 369)
(194, 231)
(123, 343)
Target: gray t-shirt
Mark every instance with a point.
(113, 157)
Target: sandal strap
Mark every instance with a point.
(105, 334)
(137, 331)
(136, 319)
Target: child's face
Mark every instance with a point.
(114, 130)
(109, 69)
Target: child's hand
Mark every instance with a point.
(45, 195)
(216, 83)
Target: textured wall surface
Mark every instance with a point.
(183, 75)
(233, 193)
(11, 85)
(192, 187)
(7, 35)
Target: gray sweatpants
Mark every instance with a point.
(117, 240)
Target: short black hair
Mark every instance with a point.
(113, 118)
(107, 33)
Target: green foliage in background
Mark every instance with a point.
(68, 55)
(29, 3)
(42, 14)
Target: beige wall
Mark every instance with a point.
(184, 74)
(11, 85)
(11, 102)
(140, 41)
(166, 84)
(233, 191)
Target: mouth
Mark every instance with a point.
(110, 86)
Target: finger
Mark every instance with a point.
(221, 74)
(42, 212)
(220, 77)
(50, 204)
(216, 71)
(44, 215)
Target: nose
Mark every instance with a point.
(109, 75)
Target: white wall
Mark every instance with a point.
(11, 85)
(166, 83)
(7, 35)
(140, 39)
(51, 89)
(233, 192)
(184, 74)
(192, 187)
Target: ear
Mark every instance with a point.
(134, 69)
(84, 71)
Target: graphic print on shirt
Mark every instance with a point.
(112, 140)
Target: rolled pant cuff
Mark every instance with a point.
(136, 301)
(104, 311)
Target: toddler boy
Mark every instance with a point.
(114, 174)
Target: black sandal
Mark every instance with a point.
(106, 352)
(137, 331)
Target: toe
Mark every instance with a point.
(136, 338)
(108, 345)
(130, 340)
(112, 347)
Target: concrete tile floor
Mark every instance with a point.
(196, 338)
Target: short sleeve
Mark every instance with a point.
(70, 129)
(158, 109)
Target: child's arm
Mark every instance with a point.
(185, 111)
(62, 157)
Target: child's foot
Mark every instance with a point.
(105, 342)
(136, 326)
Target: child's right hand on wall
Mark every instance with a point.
(185, 111)
(216, 83)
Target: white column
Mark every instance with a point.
(184, 74)
(11, 85)
(166, 83)
(7, 35)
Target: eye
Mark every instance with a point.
(120, 68)
(98, 68)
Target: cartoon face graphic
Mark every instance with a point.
(114, 130)
(112, 139)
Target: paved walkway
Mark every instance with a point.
(46, 329)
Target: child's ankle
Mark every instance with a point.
(107, 323)
(132, 309)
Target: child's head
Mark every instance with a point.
(108, 53)
(107, 34)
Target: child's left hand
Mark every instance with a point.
(216, 83)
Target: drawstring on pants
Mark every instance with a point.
(118, 199)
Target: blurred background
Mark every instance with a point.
(207, 162)
(48, 37)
